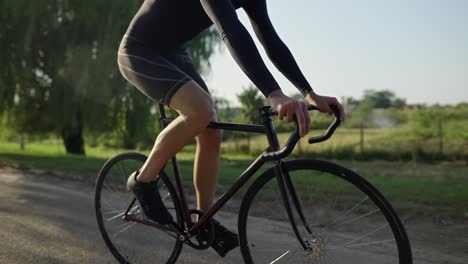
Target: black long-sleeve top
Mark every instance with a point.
(167, 24)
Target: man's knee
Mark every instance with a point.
(210, 136)
(207, 112)
(202, 114)
(194, 104)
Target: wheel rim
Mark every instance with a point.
(347, 226)
(129, 241)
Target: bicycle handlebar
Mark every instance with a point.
(275, 113)
(331, 129)
(294, 138)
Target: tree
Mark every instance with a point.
(383, 99)
(251, 100)
(61, 74)
(224, 111)
(65, 76)
(362, 113)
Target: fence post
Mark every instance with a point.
(361, 143)
(441, 140)
(21, 142)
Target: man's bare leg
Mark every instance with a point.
(196, 110)
(206, 167)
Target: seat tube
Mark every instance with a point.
(162, 112)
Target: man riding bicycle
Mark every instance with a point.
(153, 57)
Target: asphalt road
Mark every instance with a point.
(48, 220)
(51, 220)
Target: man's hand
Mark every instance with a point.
(288, 107)
(323, 103)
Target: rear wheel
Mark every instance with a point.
(349, 220)
(128, 240)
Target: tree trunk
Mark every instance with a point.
(72, 135)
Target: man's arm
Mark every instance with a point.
(243, 50)
(240, 44)
(282, 57)
(275, 48)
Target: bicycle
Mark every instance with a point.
(313, 211)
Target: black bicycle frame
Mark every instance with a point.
(272, 153)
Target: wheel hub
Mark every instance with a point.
(315, 246)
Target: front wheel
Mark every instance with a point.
(347, 220)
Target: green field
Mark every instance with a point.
(420, 188)
(397, 143)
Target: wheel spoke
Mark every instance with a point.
(272, 250)
(343, 215)
(123, 171)
(366, 235)
(280, 257)
(109, 188)
(268, 208)
(116, 216)
(371, 243)
(109, 205)
(357, 218)
(113, 212)
(128, 226)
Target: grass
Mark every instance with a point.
(422, 188)
(396, 143)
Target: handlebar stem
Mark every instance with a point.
(270, 129)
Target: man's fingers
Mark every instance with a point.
(304, 122)
(300, 121)
(303, 119)
(290, 115)
(325, 108)
(281, 112)
(298, 110)
(336, 103)
(342, 112)
(307, 118)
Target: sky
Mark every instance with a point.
(416, 48)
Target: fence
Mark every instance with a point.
(366, 143)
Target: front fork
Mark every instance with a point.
(287, 190)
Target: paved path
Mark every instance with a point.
(49, 220)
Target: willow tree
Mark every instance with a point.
(59, 69)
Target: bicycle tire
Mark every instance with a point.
(129, 241)
(335, 236)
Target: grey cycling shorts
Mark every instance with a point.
(156, 74)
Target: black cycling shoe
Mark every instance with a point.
(147, 195)
(224, 240)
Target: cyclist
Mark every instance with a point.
(153, 57)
